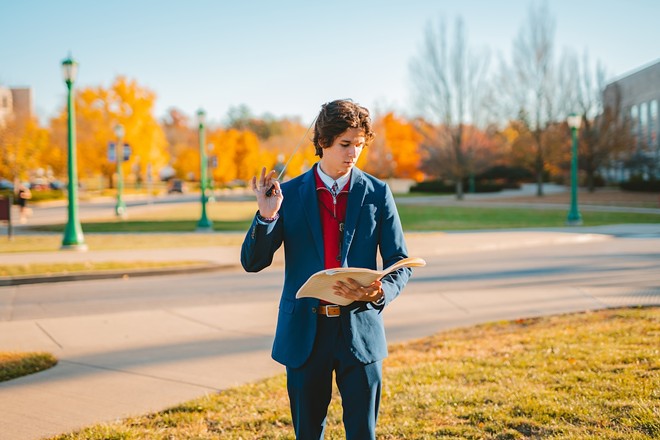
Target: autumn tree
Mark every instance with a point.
(291, 142)
(182, 143)
(22, 145)
(531, 86)
(241, 118)
(239, 156)
(98, 111)
(604, 135)
(449, 83)
(395, 150)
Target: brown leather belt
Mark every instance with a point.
(330, 310)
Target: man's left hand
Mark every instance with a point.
(353, 290)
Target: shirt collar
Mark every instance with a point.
(328, 181)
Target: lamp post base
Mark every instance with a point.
(74, 247)
(121, 211)
(204, 225)
(574, 220)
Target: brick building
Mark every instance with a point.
(15, 103)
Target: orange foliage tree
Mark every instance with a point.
(395, 150)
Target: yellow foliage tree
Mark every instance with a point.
(239, 156)
(280, 148)
(183, 144)
(98, 111)
(21, 146)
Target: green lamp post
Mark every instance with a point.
(73, 235)
(574, 218)
(120, 207)
(204, 224)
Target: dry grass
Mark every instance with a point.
(581, 376)
(13, 365)
(48, 269)
(53, 242)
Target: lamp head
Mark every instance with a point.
(574, 120)
(119, 131)
(69, 70)
(201, 116)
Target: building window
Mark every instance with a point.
(653, 123)
(634, 118)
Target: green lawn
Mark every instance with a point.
(442, 218)
(582, 376)
(237, 217)
(175, 226)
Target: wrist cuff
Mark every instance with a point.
(380, 301)
(267, 219)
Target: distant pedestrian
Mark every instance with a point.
(22, 196)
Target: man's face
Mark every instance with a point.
(340, 158)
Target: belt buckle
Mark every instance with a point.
(332, 307)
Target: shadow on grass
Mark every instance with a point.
(150, 226)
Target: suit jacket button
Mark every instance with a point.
(313, 309)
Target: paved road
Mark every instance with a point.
(130, 346)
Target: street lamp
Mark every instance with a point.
(204, 224)
(120, 207)
(574, 218)
(73, 235)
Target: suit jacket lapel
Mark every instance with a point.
(310, 201)
(356, 194)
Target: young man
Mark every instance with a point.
(332, 216)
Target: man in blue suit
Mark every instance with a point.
(334, 215)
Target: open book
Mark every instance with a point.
(320, 284)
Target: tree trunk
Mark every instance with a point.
(538, 165)
(459, 189)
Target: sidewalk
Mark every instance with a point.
(112, 365)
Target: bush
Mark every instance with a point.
(441, 187)
(433, 186)
(641, 185)
(506, 173)
(37, 196)
(47, 194)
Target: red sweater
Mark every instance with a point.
(333, 213)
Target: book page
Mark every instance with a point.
(320, 284)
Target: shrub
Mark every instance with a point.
(641, 185)
(441, 187)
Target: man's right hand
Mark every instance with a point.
(268, 206)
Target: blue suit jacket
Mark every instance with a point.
(372, 223)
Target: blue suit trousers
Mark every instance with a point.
(310, 386)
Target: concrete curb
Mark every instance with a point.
(110, 274)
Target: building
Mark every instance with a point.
(636, 97)
(6, 105)
(15, 103)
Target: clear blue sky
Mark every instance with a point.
(285, 57)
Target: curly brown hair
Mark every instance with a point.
(335, 118)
